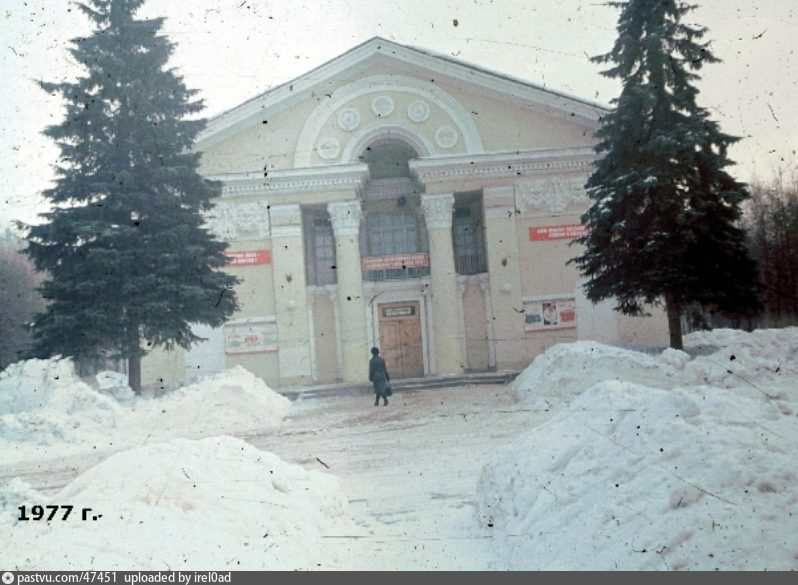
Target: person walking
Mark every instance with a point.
(378, 375)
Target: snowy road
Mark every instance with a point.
(409, 469)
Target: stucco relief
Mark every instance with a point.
(438, 210)
(418, 111)
(329, 149)
(345, 217)
(348, 119)
(367, 108)
(446, 137)
(239, 221)
(382, 106)
(552, 194)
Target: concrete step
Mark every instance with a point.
(403, 385)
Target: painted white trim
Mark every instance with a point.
(289, 181)
(270, 103)
(365, 136)
(518, 165)
(381, 84)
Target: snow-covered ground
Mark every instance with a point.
(597, 458)
(684, 460)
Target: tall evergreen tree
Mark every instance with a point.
(663, 223)
(127, 257)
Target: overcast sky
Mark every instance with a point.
(232, 50)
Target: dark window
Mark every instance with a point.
(392, 233)
(468, 237)
(319, 249)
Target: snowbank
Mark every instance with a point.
(677, 461)
(215, 503)
(44, 402)
(765, 361)
(560, 374)
(234, 399)
(46, 410)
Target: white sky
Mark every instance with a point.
(232, 50)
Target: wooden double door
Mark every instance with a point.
(400, 339)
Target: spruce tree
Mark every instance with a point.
(129, 264)
(663, 223)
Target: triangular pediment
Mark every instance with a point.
(427, 80)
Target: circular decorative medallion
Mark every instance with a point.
(382, 106)
(446, 137)
(328, 148)
(349, 119)
(418, 111)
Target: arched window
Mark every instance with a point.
(388, 158)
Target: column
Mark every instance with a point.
(501, 238)
(290, 295)
(485, 286)
(446, 307)
(346, 216)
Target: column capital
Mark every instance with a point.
(438, 210)
(286, 220)
(345, 217)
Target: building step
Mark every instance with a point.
(403, 385)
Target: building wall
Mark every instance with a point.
(290, 160)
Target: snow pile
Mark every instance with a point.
(234, 399)
(765, 361)
(114, 384)
(670, 474)
(560, 374)
(44, 402)
(217, 503)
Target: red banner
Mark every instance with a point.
(395, 261)
(556, 232)
(249, 258)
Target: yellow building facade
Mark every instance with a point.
(399, 199)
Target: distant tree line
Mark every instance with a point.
(772, 223)
(19, 300)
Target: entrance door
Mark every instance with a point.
(400, 339)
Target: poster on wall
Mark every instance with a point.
(250, 336)
(248, 257)
(396, 261)
(544, 233)
(549, 314)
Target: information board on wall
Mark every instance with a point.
(250, 336)
(249, 257)
(549, 314)
(543, 233)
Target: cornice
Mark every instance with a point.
(311, 179)
(503, 165)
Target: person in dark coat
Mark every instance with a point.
(378, 375)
